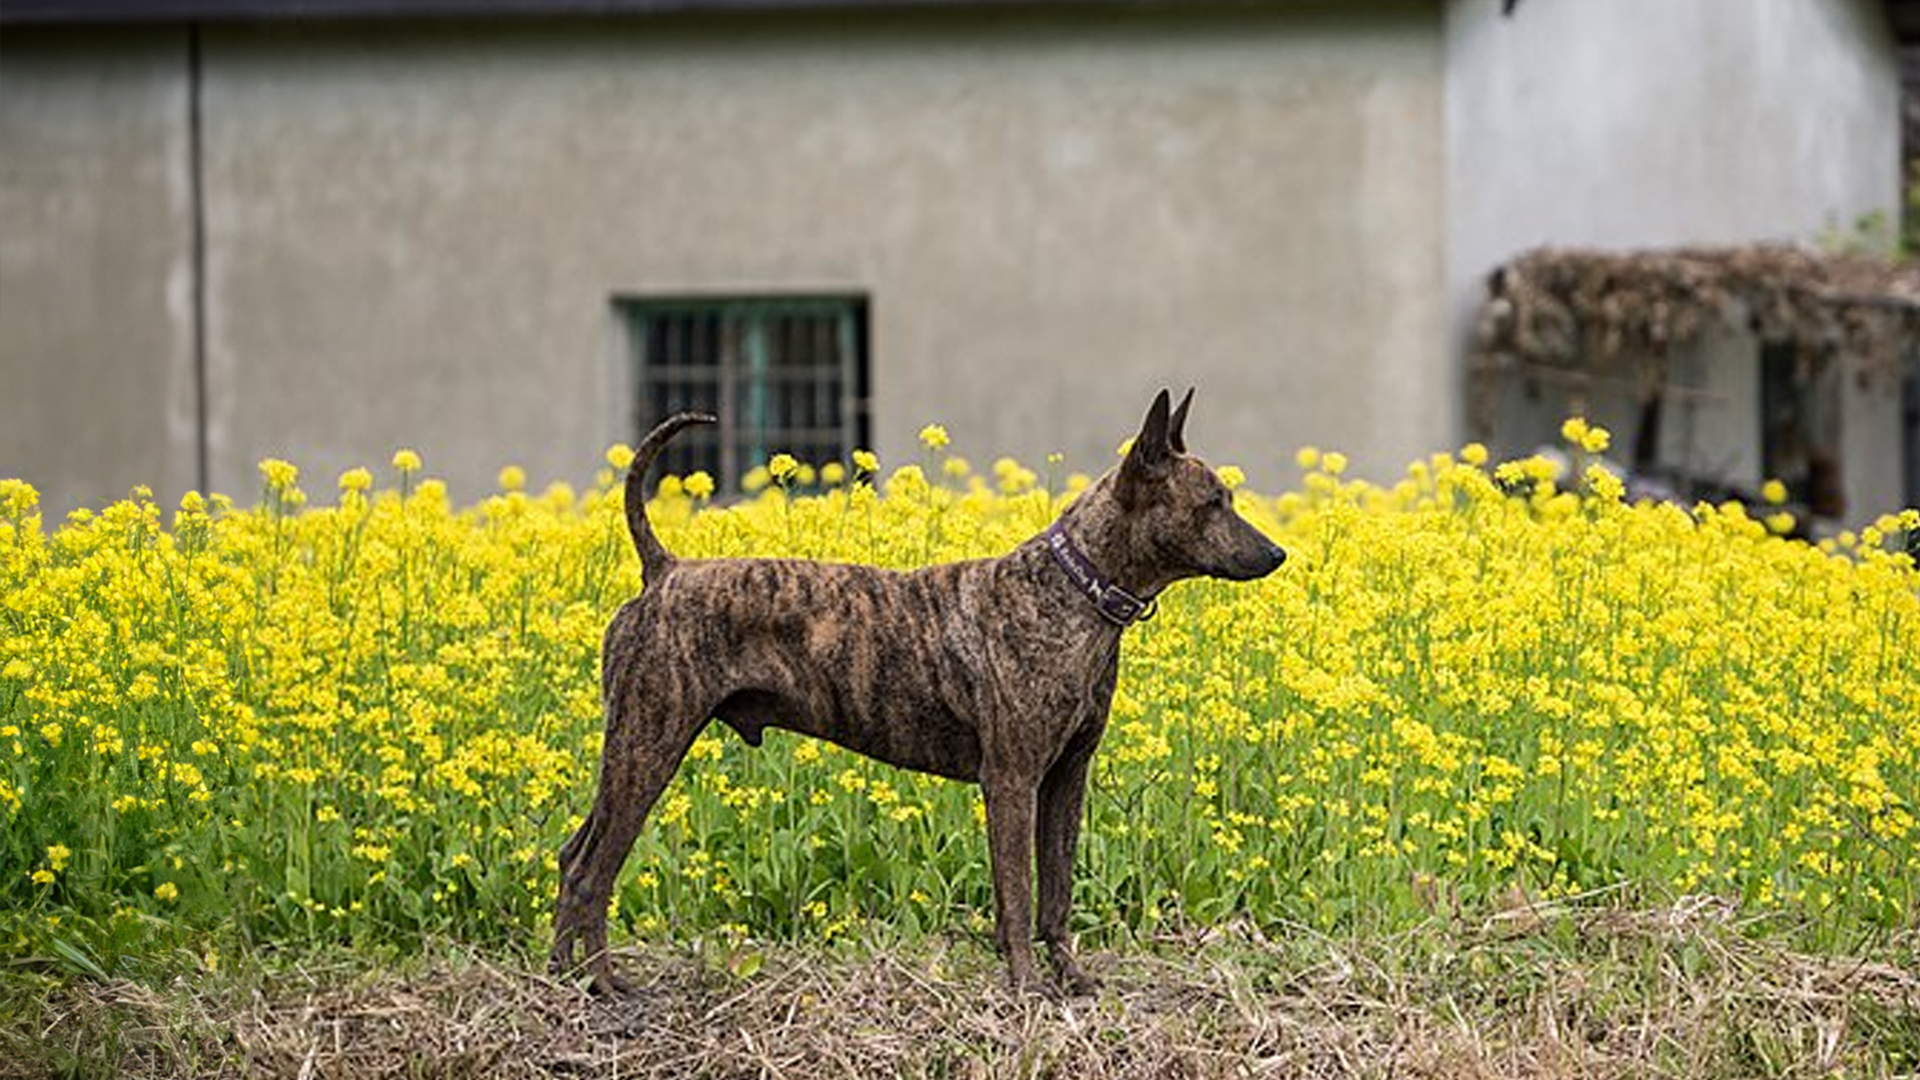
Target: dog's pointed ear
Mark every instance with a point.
(1149, 453)
(1177, 427)
(1151, 446)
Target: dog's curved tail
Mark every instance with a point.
(654, 559)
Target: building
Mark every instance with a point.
(1718, 368)
(512, 231)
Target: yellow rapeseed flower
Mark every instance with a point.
(1604, 484)
(1588, 437)
(278, 474)
(17, 497)
(356, 480)
(933, 436)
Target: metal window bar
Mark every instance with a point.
(781, 374)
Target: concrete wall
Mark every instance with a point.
(1647, 123)
(413, 233)
(96, 365)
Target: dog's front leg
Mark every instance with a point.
(1010, 820)
(1062, 800)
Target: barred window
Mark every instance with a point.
(782, 374)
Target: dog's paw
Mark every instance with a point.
(1024, 982)
(1077, 983)
(1032, 990)
(595, 977)
(1073, 979)
(606, 983)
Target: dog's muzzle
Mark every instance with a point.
(1259, 563)
(1278, 555)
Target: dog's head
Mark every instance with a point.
(1180, 515)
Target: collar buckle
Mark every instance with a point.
(1120, 607)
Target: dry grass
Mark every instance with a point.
(1682, 992)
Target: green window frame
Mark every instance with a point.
(782, 374)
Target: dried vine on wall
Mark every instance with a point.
(1621, 317)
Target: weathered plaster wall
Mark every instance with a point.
(1052, 219)
(96, 366)
(1648, 122)
(413, 232)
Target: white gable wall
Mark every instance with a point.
(1629, 124)
(1641, 123)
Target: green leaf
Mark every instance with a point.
(747, 965)
(76, 960)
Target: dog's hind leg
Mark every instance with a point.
(633, 773)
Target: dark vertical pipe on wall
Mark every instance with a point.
(197, 210)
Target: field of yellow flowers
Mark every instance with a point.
(373, 718)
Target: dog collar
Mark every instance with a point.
(1115, 604)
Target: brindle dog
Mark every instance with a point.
(993, 671)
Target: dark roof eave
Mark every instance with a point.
(98, 12)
